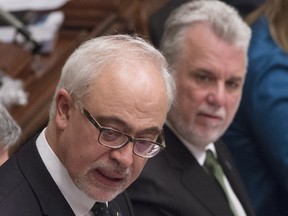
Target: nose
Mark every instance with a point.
(124, 155)
(217, 95)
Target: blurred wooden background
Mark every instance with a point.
(83, 19)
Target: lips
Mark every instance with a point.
(210, 119)
(108, 178)
(210, 116)
(110, 174)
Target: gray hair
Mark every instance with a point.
(224, 20)
(90, 58)
(9, 129)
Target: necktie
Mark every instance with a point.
(212, 164)
(100, 209)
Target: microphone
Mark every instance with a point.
(20, 27)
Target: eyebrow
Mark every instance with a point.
(115, 120)
(237, 79)
(210, 73)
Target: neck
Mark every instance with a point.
(3, 155)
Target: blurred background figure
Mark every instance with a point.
(258, 137)
(9, 133)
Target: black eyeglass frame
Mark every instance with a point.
(101, 128)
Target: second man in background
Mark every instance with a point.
(205, 43)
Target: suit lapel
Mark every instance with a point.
(233, 177)
(121, 206)
(49, 196)
(194, 178)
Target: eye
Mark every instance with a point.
(232, 85)
(143, 146)
(203, 79)
(110, 135)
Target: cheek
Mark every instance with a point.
(80, 149)
(82, 157)
(190, 98)
(76, 159)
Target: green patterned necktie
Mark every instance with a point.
(212, 164)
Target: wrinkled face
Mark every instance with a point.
(209, 80)
(128, 97)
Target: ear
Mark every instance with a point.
(64, 104)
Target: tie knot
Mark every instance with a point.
(100, 209)
(211, 162)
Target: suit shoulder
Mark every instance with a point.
(11, 178)
(15, 191)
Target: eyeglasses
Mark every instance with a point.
(115, 139)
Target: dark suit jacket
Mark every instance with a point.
(27, 188)
(174, 184)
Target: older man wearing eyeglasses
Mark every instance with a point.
(84, 159)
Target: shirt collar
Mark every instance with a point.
(77, 199)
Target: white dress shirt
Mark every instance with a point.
(77, 199)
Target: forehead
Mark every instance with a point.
(129, 78)
(203, 49)
(134, 91)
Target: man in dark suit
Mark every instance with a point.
(103, 126)
(33, 192)
(206, 44)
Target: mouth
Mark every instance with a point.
(108, 178)
(210, 116)
(213, 119)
